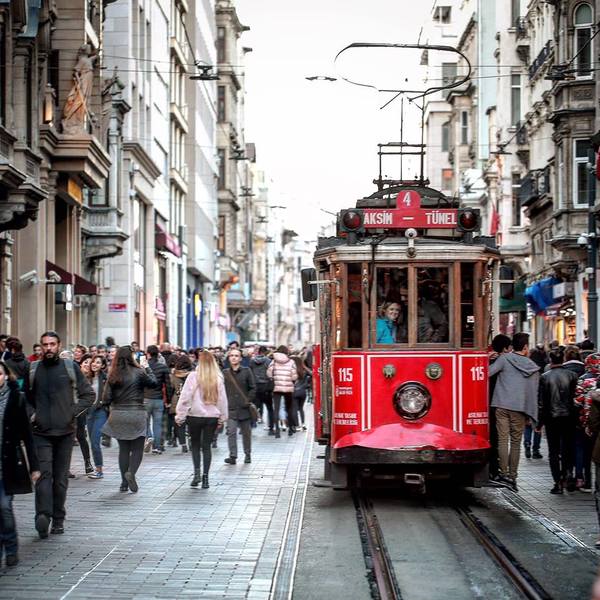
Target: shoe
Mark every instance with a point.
(247, 460)
(271, 432)
(196, 479)
(507, 482)
(88, 467)
(12, 560)
(156, 451)
(213, 445)
(148, 445)
(58, 528)
(291, 432)
(277, 434)
(130, 478)
(96, 475)
(585, 489)
(557, 489)
(106, 441)
(579, 483)
(124, 487)
(232, 460)
(303, 427)
(597, 544)
(42, 523)
(537, 454)
(71, 475)
(184, 448)
(571, 484)
(205, 485)
(527, 452)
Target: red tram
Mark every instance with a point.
(404, 295)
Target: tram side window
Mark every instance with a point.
(467, 307)
(433, 305)
(354, 306)
(392, 306)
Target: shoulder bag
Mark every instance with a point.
(249, 405)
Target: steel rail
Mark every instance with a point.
(518, 574)
(383, 579)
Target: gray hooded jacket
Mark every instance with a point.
(517, 384)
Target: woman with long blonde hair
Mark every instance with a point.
(203, 405)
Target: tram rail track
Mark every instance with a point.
(382, 577)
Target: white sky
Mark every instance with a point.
(317, 141)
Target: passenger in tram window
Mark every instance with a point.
(432, 322)
(390, 329)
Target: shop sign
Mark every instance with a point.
(563, 290)
(117, 307)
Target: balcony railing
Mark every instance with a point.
(540, 59)
(534, 185)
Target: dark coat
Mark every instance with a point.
(238, 399)
(556, 394)
(576, 366)
(16, 429)
(19, 365)
(51, 397)
(163, 379)
(131, 388)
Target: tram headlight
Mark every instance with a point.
(412, 400)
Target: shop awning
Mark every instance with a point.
(517, 303)
(65, 276)
(165, 241)
(540, 295)
(85, 287)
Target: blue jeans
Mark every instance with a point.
(537, 437)
(95, 422)
(155, 409)
(8, 525)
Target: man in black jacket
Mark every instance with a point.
(154, 399)
(241, 390)
(264, 385)
(57, 393)
(557, 413)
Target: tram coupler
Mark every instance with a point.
(415, 481)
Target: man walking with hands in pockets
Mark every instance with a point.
(241, 390)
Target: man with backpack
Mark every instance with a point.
(58, 392)
(264, 385)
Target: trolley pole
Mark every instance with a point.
(592, 250)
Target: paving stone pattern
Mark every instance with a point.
(168, 540)
(573, 511)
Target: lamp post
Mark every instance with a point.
(592, 250)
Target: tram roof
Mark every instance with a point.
(395, 249)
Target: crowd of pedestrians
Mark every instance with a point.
(556, 390)
(57, 398)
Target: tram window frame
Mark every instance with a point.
(412, 314)
(348, 291)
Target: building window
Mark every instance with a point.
(221, 234)
(582, 50)
(560, 195)
(515, 98)
(221, 112)
(221, 53)
(515, 12)
(222, 168)
(464, 127)
(442, 15)
(516, 201)
(580, 173)
(445, 137)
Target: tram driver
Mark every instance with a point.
(389, 328)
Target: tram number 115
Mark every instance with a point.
(477, 373)
(345, 375)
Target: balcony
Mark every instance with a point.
(101, 229)
(228, 269)
(540, 60)
(536, 184)
(181, 51)
(179, 113)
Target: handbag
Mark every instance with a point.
(249, 405)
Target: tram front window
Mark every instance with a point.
(433, 305)
(392, 306)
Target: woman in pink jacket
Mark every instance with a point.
(203, 405)
(283, 372)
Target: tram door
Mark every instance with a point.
(326, 333)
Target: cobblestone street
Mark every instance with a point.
(168, 540)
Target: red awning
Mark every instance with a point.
(85, 287)
(65, 276)
(165, 241)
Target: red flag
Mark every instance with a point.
(494, 221)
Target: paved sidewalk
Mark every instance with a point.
(575, 512)
(168, 540)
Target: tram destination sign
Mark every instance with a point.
(403, 218)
